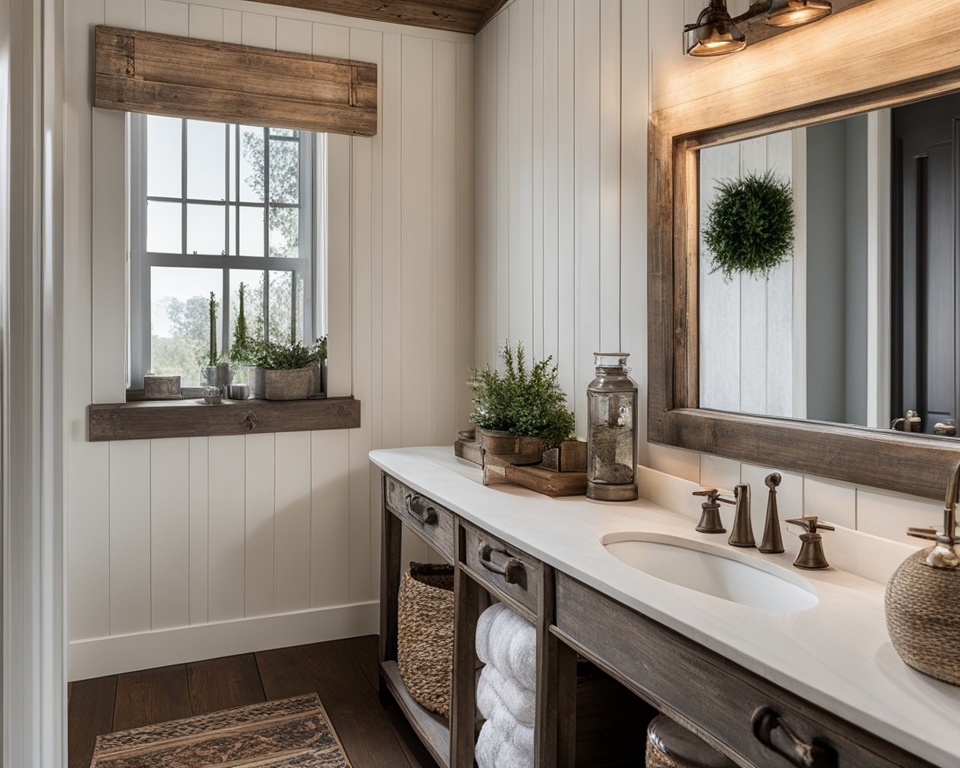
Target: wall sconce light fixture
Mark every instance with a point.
(794, 13)
(715, 33)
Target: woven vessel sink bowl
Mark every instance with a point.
(711, 570)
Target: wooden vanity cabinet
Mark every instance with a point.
(753, 721)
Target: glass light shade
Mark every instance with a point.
(612, 430)
(714, 34)
(793, 13)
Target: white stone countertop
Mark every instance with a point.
(836, 654)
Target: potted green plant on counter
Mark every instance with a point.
(520, 411)
(288, 371)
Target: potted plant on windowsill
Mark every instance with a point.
(288, 371)
(215, 372)
(520, 412)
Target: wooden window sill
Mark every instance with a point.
(154, 419)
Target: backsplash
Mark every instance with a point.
(868, 510)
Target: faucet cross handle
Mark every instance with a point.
(810, 523)
(710, 515)
(811, 555)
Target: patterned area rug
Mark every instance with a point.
(291, 733)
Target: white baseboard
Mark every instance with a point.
(102, 656)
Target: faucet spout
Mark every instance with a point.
(742, 533)
(944, 555)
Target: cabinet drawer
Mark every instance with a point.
(508, 572)
(733, 708)
(422, 515)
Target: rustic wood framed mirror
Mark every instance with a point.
(774, 88)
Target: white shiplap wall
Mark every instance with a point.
(190, 548)
(564, 92)
(557, 241)
(747, 357)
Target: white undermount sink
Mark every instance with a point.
(712, 570)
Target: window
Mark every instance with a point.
(214, 206)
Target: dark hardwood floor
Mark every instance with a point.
(343, 673)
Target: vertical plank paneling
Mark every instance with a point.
(167, 17)
(259, 30)
(260, 522)
(588, 195)
(367, 241)
(86, 465)
(719, 300)
(464, 307)
(486, 223)
(391, 286)
(131, 14)
(502, 194)
(537, 190)
(567, 208)
(610, 277)
(753, 307)
(232, 26)
(549, 182)
(109, 258)
(206, 22)
(780, 291)
(130, 537)
(635, 87)
(331, 40)
(170, 533)
(88, 477)
(330, 544)
(293, 520)
(199, 495)
(446, 373)
(225, 567)
(294, 35)
(416, 240)
(340, 372)
(520, 182)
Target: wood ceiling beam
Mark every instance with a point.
(466, 16)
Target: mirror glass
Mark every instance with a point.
(859, 325)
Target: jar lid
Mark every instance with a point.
(610, 359)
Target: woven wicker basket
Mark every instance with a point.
(425, 634)
(670, 745)
(922, 619)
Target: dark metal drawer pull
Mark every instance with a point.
(774, 734)
(511, 570)
(423, 515)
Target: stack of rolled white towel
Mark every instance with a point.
(507, 645)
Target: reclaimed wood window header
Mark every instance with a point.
(184, 77)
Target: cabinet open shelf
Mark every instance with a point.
(432, 729)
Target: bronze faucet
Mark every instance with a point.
(811, 555)
(710, 516)
(742, 534)
(772, 543)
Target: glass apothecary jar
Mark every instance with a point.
(612, 430)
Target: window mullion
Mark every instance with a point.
(266, 232)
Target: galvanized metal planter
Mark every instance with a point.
(294, 384)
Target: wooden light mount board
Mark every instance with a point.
(185, 77)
